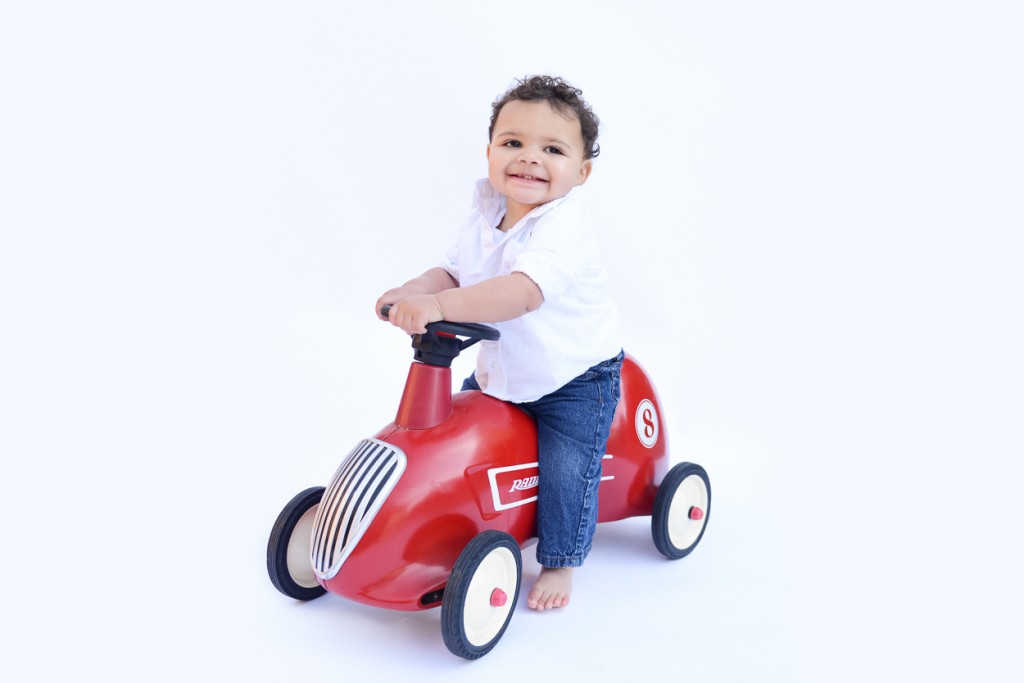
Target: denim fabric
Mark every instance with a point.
(572, 431)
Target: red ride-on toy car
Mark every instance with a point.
(434, 508)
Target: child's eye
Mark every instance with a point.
(513, 143)
(553, 150)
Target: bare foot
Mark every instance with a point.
(552, 589)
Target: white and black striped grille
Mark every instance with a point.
(355, 495)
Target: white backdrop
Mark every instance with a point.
(812, 213)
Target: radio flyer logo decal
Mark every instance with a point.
(513, 486)
(517, 485)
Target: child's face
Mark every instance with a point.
(535, 155)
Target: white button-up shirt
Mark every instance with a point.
(575, 328)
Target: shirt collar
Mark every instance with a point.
(491, 204)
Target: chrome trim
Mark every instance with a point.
(355, 495)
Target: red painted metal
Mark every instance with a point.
(471, 463)
(636, 470)
(427, 398)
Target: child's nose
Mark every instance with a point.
(529, 156)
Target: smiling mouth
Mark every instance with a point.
(529, 178)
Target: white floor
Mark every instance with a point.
(813, 224)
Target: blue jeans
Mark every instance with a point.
(572, 431)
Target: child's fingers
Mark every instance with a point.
(388, 298)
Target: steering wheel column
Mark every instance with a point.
(427, 398)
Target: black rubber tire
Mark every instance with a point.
(281, 538)
(460, 603)
(671, 505)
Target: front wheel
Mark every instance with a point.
(288, 561)
(681, 510)
(481, 593)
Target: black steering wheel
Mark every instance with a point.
(474, 331)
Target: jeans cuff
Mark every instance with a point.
(561, 561)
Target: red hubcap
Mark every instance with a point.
(696, 513)
(498, 598)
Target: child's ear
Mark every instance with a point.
(585, 168)
(488, 151)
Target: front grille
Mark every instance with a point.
(356, 493)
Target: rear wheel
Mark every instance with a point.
(481, 593)
(681, 510)
(288, 562)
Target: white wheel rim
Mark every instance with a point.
(691, 493)
(300, 567)
(481, 620)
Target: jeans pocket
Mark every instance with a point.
(603, 368)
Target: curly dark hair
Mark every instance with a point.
(562, 97)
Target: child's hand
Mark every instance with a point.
(390, 298)
(412, 313)
(431, 282)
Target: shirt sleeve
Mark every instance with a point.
(559, 251)
(450, 261)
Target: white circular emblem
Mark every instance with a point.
(647, 423)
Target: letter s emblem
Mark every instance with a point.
(646, 422)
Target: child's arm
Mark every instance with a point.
(500, 298)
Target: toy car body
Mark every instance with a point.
(434, 508)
